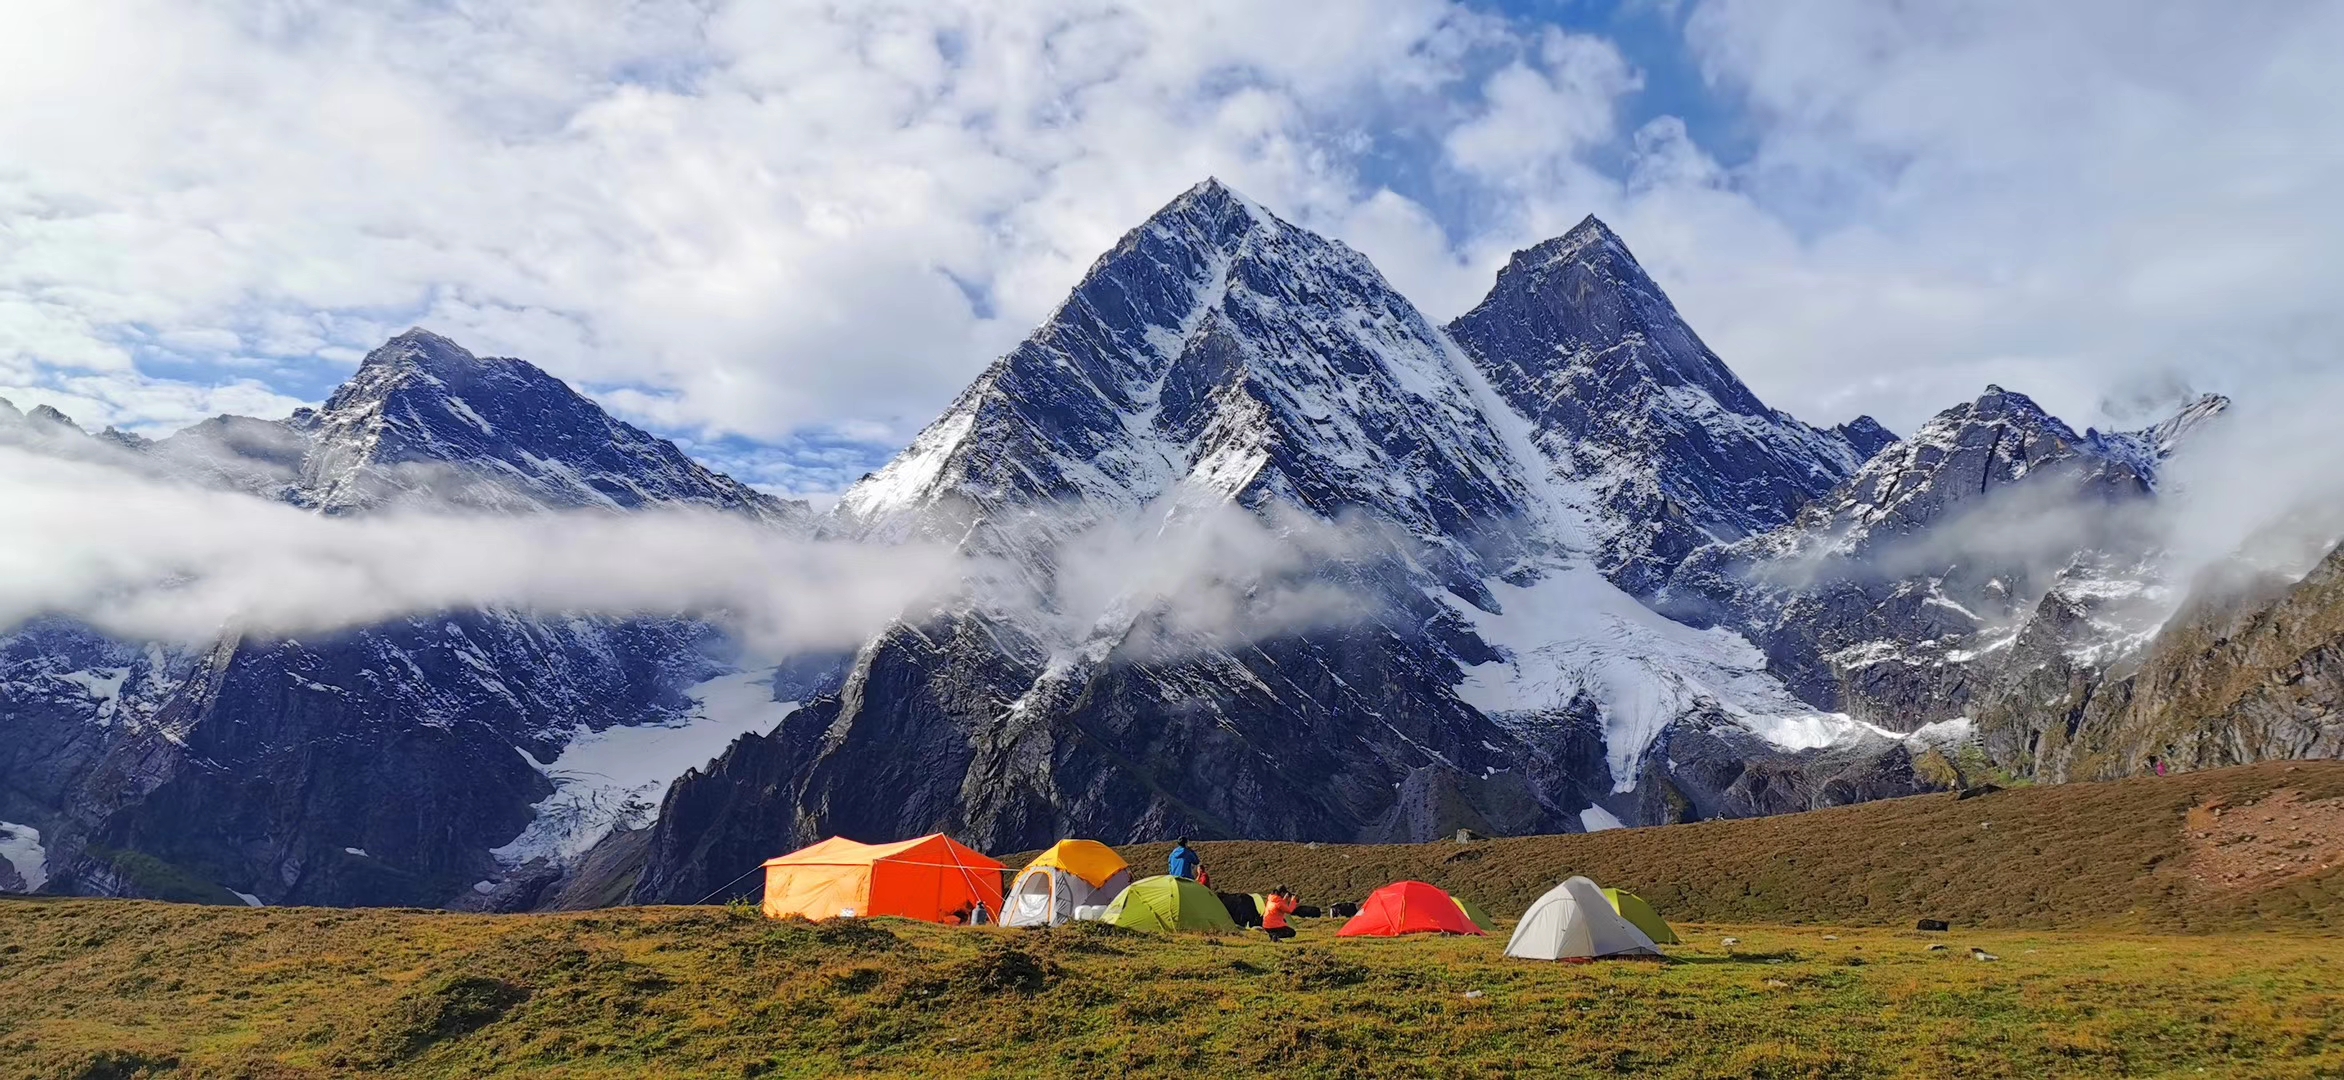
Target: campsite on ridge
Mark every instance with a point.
(1794, 954)
(1381, 539)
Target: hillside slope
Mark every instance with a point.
(2121, 854)
(116, 989)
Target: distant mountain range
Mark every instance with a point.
(1564, 572)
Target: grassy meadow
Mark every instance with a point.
(119, 989)
(2181, 927)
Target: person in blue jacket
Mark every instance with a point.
(1184, 860)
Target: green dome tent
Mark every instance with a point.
(1633, 908)
(1473, 911)
(1168, 904)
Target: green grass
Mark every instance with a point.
(2115, 962)
(2109, 855)
(116, 989)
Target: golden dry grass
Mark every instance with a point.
(2083, 890)
(116, 989)
(2102, 855)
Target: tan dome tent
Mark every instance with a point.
(1072, 874)
(1574, 922)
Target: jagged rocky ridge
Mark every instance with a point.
(381, 766)
(2246, 672)
(1629, 404)
(1495, 678)
(1588, 579)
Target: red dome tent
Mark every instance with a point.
(1408, 907)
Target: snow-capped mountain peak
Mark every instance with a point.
(2147, 449)
(1626, 399)
(1221, 352)
(425, 418)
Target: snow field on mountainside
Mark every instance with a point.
(1572, 632)
(21, 846)
(617, 776)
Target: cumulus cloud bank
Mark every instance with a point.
(148, 559)
(808, 224)
(143, 556)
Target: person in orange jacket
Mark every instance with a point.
(1279, 904)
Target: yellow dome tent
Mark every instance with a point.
(1072, 874)
(1473, 911)
(1633, 908)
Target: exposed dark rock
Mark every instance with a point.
(1625, 397)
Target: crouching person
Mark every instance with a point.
(1279, 904)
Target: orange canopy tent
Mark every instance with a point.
(1408, 907)
(928, 878)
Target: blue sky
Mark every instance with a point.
(786, 234)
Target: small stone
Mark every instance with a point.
(1472, 994)
(1729, 942)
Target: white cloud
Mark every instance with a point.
(146, 406)
(151, 559)
(108, 538)
(758, 218)
(2079, 199)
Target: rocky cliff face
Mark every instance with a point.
(2249, 670)
(1630, 405)
(382, 766)
(1888, 597)
(1484, 674)
(425, 419)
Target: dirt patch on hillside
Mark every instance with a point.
(2278, 838)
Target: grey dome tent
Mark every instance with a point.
(1574, 922)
